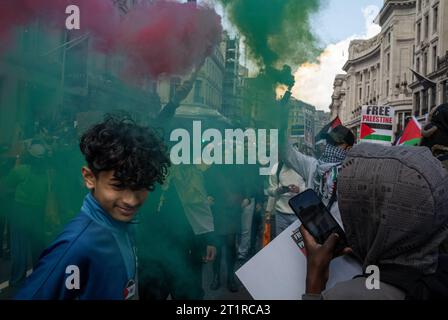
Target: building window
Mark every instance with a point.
(434, 58)
(388, 62)
(433, 97)
(425, 102)
(435, 21)
(417, 104)
(198, 98)
(425, 63)
(417, 65)
(402, 122)
(174, 83)
(360, 94)
(419, 33)
(413, 54)
(387, 88)
(427, 27)
(445, 92)
(389, 36)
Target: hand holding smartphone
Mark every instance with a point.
(317, 219)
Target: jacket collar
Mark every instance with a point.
(92, 208)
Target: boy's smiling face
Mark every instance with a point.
(121, 203)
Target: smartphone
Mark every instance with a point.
(317, 219)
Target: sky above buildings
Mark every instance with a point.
(341, 19)
(339, 22)
(336, 24)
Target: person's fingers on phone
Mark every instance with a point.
(331, 243)
(309, 240)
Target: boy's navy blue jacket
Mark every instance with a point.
(100, 247)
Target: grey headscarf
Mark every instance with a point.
(394, 205)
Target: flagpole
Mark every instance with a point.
(65, 46)
(80, 38)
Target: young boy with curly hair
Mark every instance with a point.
(94, 256)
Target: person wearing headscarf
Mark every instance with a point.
(394, 208)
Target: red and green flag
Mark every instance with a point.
(412, 134)
(376, 132)
(322, 135)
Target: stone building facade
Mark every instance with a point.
(431, 56)
(379, 69)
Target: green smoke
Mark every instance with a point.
(276, 31)
(49, 94)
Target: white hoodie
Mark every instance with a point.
(287, 177)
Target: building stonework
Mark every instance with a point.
(304, 123)
(230, 105)
(413, 37)
(338, 107)
(379, 69)
(207, 92)
(431, 56)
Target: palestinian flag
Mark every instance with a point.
(376, 132)
(412, 134)
(328, 128)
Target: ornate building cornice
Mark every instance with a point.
(390, 5)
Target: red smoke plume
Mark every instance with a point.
(168, 37)
(157, 37)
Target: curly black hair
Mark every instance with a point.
(137, 154)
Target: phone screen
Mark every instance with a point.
(316, 218)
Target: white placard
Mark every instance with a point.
(278, 271)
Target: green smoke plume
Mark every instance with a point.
(276, 32)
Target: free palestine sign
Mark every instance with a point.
(377, 124)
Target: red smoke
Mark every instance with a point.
(158, 37)
(98, 17)
(12, 14)
(168, 37)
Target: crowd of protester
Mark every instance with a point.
(217, 214)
